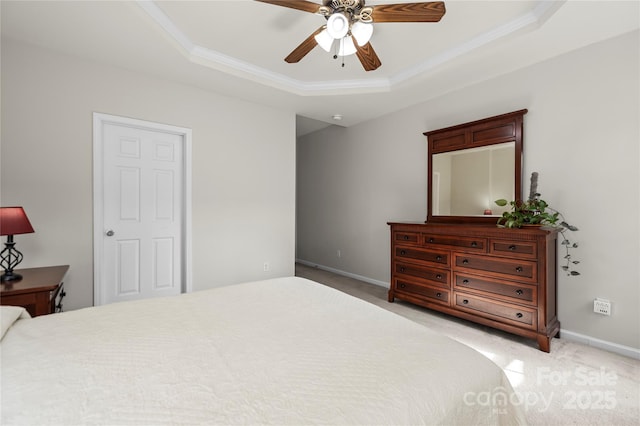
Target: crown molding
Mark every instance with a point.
(536, 18)
(213, 59)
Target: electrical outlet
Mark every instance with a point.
(265, 266)
(602, 306)
(339, 253)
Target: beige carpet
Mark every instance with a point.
(573, 385)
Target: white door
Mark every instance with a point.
(140, 243)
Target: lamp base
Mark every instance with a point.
(10, 276)
(9, 259)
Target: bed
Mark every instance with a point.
(281, 351)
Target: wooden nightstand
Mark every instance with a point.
(40, 291)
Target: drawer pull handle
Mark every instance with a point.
(406, 237)
(512, 248)
(402, 252)
(438, 294)
(430, 240)
(519, 269)
(402, 269)
(465, 301)
(438, 258)
(465, 261)
(519, 292)
(465, 281)
(403, 285)
(474, 244)
(519, 315)
(438, 277)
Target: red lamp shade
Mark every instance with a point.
(13, 221)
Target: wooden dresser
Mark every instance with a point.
(503, 278)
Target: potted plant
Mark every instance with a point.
(536, 212)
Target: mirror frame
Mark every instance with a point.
(489, 131)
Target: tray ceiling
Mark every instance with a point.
(238, 47)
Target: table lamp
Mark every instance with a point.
(13, 221)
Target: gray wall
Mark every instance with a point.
(243, 166)
(581, 135)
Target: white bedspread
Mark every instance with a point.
(283, 351)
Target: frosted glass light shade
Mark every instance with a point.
(362, 32)
(338, 25)
(324, 40)
(347, 47)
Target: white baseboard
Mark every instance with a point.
(565, 334)
(344, 273)
(602, 344)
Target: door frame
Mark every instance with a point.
(99, 120)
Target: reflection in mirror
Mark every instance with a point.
(466, 182)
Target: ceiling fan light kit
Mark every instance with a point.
(350, 22)
(360, 31)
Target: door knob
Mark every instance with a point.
(110, 233)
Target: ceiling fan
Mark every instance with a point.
(350, 23)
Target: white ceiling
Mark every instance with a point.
(237, 47)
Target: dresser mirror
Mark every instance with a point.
(473, 164)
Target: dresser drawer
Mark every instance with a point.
(439, 258)
(524, 293)
(433, 294)
(506, 268)
(434, 276)
(519, 249)
(512, 314)
(467, 243)
(406, 237)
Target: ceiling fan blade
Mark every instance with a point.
(368, 57)
(409, 12)
(303, 5)
(304, 48)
